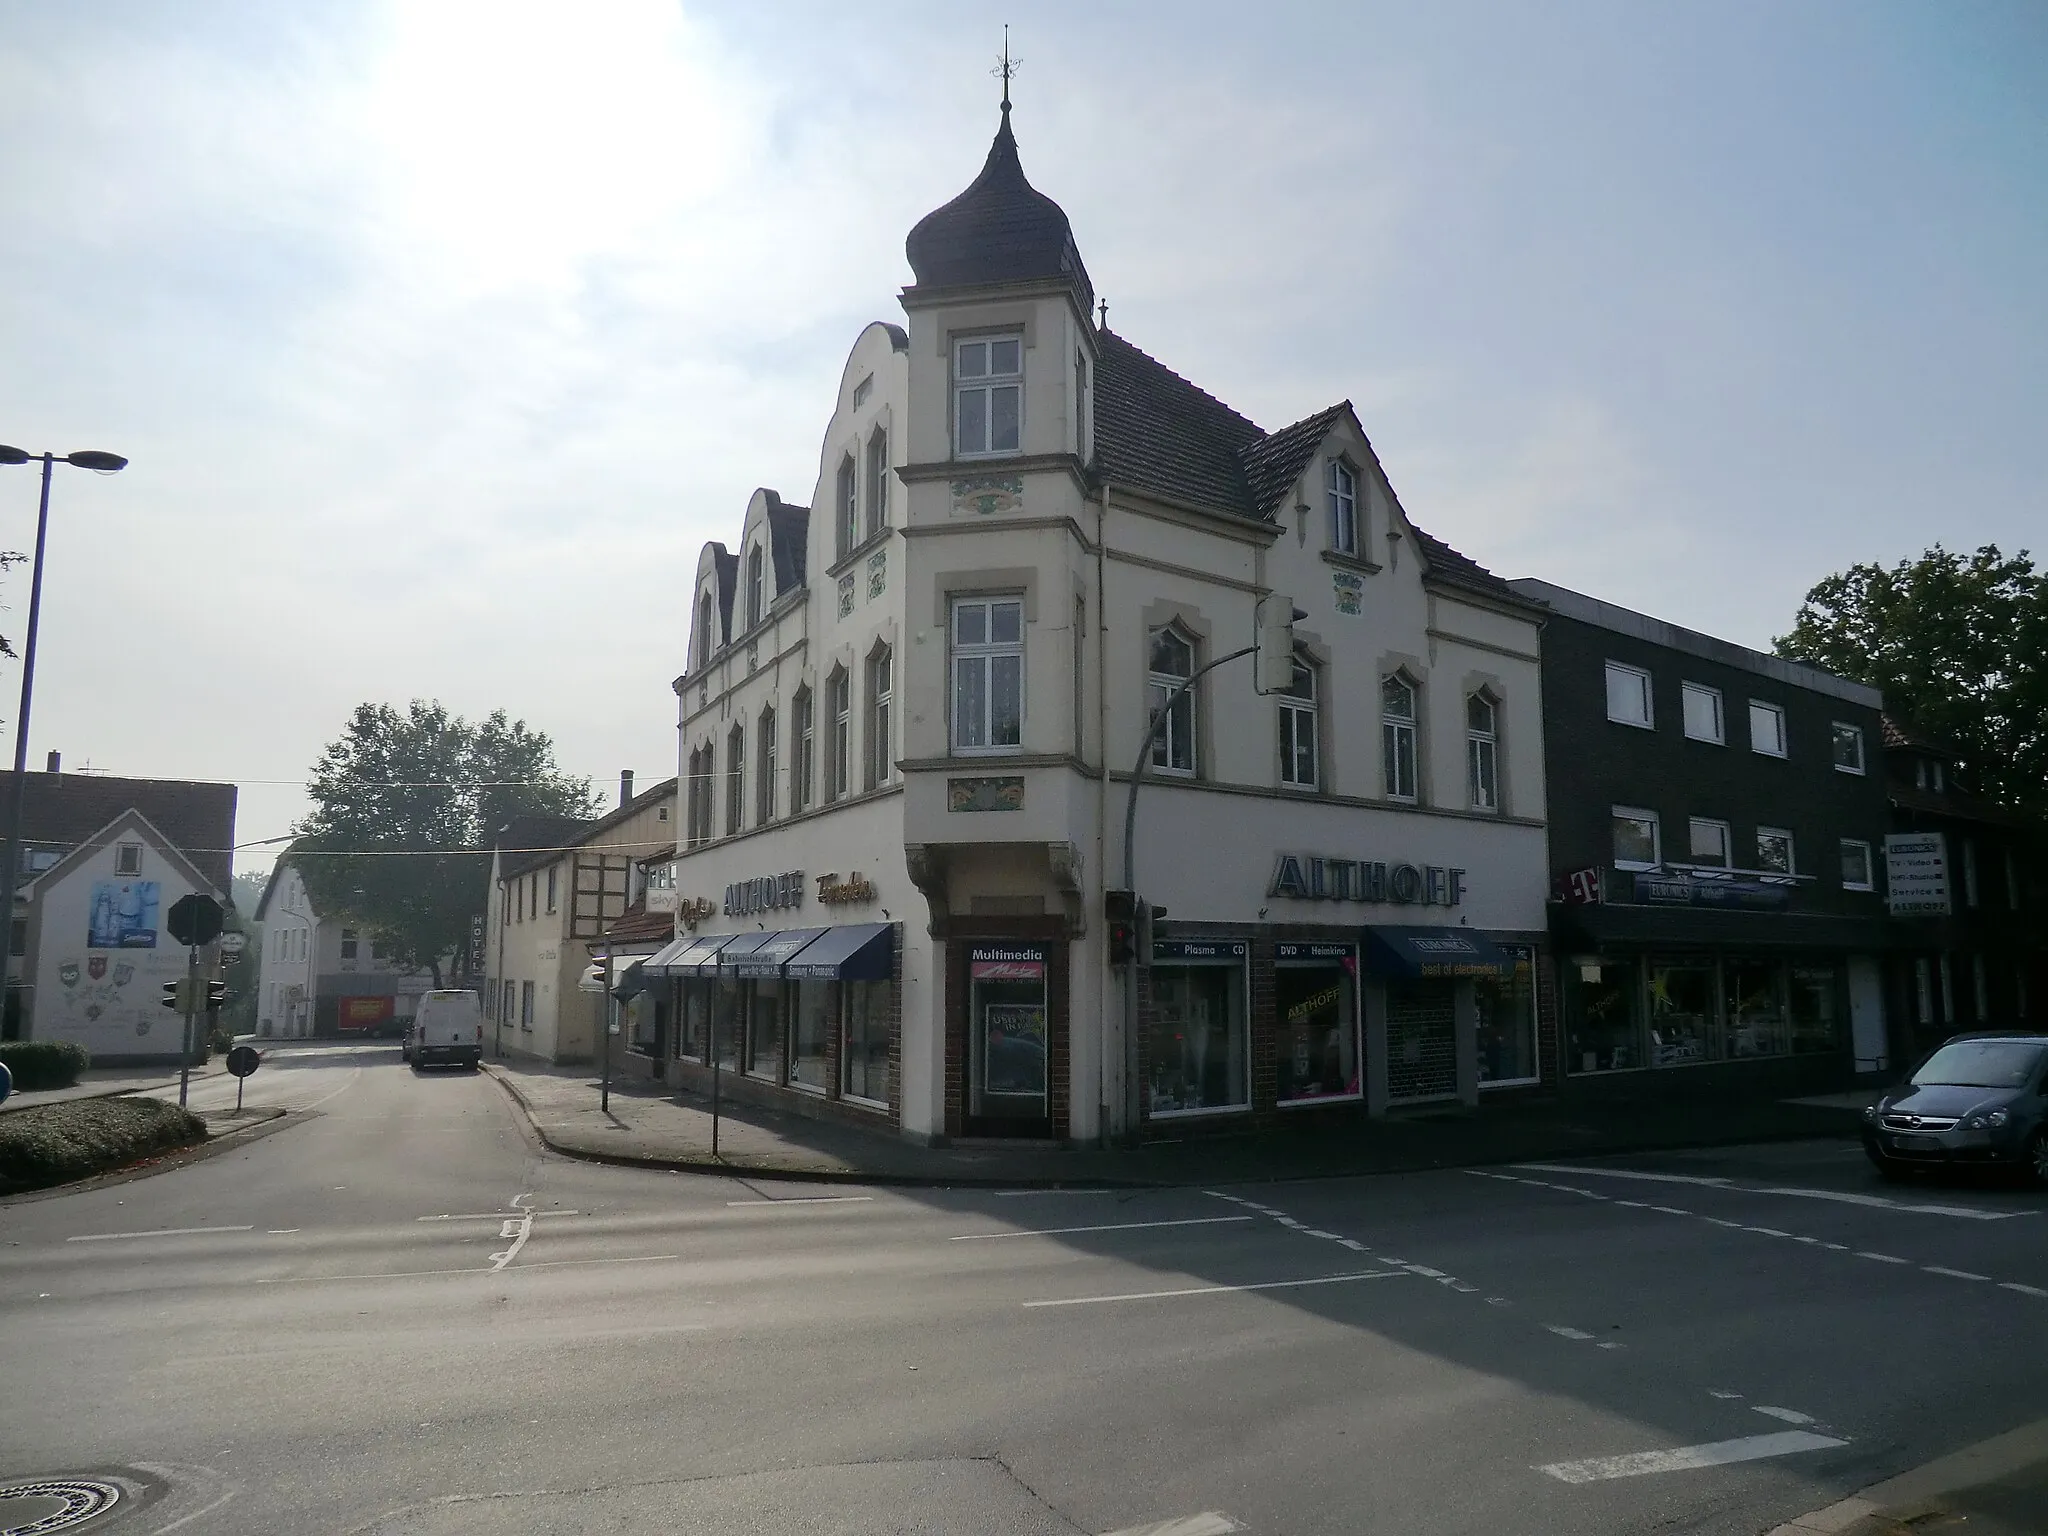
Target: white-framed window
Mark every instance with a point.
(1766, 729)
(878, 481)
(1172, 662)
(1848, 747)
(706, 607)
(764, 771)
(1703, 720)
(1774, 851)
(1637, 841)
(754, 607)
(1857, 869)
(349, 943)
(839, 749)
(554, 879)
(1397, 738)
(1970, 890)
(127, 858)
(845, 509)
(880, 760)
(802, 753)
(1708, 841)
(988, 674)
(1341, 492)
(1482, 752)
(1628, 696)
(1300, 741)
(526, 1005)
(988, 396)
(735, 786)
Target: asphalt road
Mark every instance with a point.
(397, 1315)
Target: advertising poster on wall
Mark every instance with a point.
(123, 915)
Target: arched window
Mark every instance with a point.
(1482, 752)
(800, 751)
(1397, 735)
(880, 760)
(754, 604)
(735, 780)
(878, 481)
(1172, 663)
(1300, 761)
(839, 747)
(845, 510)
(764, 769)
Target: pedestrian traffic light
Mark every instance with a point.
(1119, 915)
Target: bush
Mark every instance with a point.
(40, 1064)
(54, 1143)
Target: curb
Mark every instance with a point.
(14, 1101)
(686, 1163)
(162, 1162)
(1909, 1498)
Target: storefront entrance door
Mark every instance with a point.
(1008, 1055)
(1422, 1048)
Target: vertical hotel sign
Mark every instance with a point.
(1916, 875)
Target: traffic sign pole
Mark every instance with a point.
(191, 1005)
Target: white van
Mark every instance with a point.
(449, 1028)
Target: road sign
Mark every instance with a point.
(244, 1059)
(195, 919)
(233, 943)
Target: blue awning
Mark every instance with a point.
(741, 946)
(697, 957)
(1416, 953)
(857, 952)
(767, 959)
(657, 964)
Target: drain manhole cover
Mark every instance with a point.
(54, 1504)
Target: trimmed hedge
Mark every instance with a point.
(40, 1064)
(55, 1143)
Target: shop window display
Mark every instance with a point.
(811, 1013)
(728, 1022)
(764, 1030)
(696, 1022)
(1756, 1009)
(1604, 1018)
(1506, 1008)
(1815, 1012)
(865, 1055)
(1007, 1030)
(1197, 1047)
(1316, 992)
(1684, 1013)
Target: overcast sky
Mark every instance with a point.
(442, 333)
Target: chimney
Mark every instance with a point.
(625, 786)
(56, 762)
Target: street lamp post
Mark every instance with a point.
(106, 464)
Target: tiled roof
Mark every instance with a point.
(62, 810)
(1900, 733)
(550, 835)
(788, 541)
(1000, 230)
(1276, 461)
(638, 925)
(1158, 433)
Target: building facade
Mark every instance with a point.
(557, 885)
(1969, 912)
(1717, 823)
(912, 712)
(317, 977)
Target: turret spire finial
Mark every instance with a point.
(1006, 69)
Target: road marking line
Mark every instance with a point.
(2024, 1290)
(1207, 1524)
(1767, 1231)
(642, 1258)
(1567, 1333)
(1115, 1226)
(1719, 1453)
(1789, 1415)
(1670, 1210)
(280, 1231)
(108, 1237)
(1722, 1221)
(493, 1215)
(1612, 1345)
(1838, 1196)
(1022, 1194)
(1634, 1205)
(1623, 1173)
(1953, 1274)
(1353, 1244)
(474, 1269)
(1836, 1247)
(1724, 1396)
(518, 1233)
(1882, 1258)
(807, 1200)
(1217, 1290)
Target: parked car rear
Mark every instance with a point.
(449, 1029)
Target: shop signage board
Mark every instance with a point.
(664, 893)
(834, 891)
(1006, 962)
(1317, 877)
(1183, 950)
(765, 893)
(1318, 949)
(1916, 874)
(1682, 890)
(1580, 888)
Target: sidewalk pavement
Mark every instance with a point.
(100, 1083)
(1998, 1487)
(651, 1125)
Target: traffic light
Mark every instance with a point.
(1273, 662)
(216, 996)
(1119, 915)
(596, 976)
(173, 997)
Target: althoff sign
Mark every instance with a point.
(1318, 877)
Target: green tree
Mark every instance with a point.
(404, 806)
(1959, 645)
